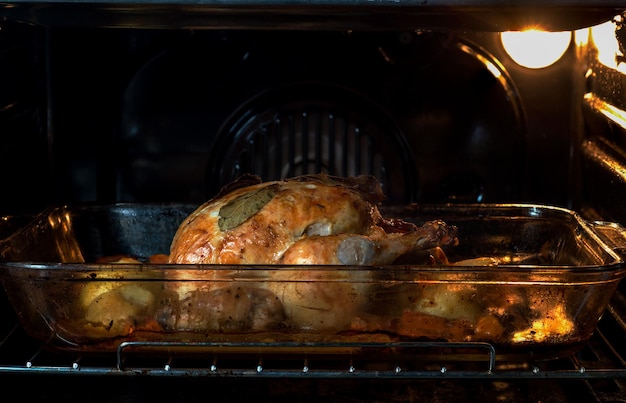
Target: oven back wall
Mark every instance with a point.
(136, 115)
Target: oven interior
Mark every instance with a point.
(168, 103)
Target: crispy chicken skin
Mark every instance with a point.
(312, 219)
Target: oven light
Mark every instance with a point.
(535, 49)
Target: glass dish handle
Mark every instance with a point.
(612, 234)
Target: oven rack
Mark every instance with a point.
(599, 359)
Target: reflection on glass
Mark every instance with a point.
(604, 39)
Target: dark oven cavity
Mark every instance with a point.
(142, 108)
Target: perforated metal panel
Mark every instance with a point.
(310, 128)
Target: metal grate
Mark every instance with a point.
(309, 128)
(597, 360)
(595, 373)
(307, 142)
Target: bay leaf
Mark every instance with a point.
(237, 211)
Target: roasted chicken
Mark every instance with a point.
(313, 219)
(307, 220)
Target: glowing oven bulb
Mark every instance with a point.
(535, 49)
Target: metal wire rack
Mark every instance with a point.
(598, 369)
(598, 359)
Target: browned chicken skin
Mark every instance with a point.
(314, 219)
(307, 220)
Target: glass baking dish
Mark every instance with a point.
(527, 279)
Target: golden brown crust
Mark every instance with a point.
(297, 208)
(312, 219)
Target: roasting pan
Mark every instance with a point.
(524, 279)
